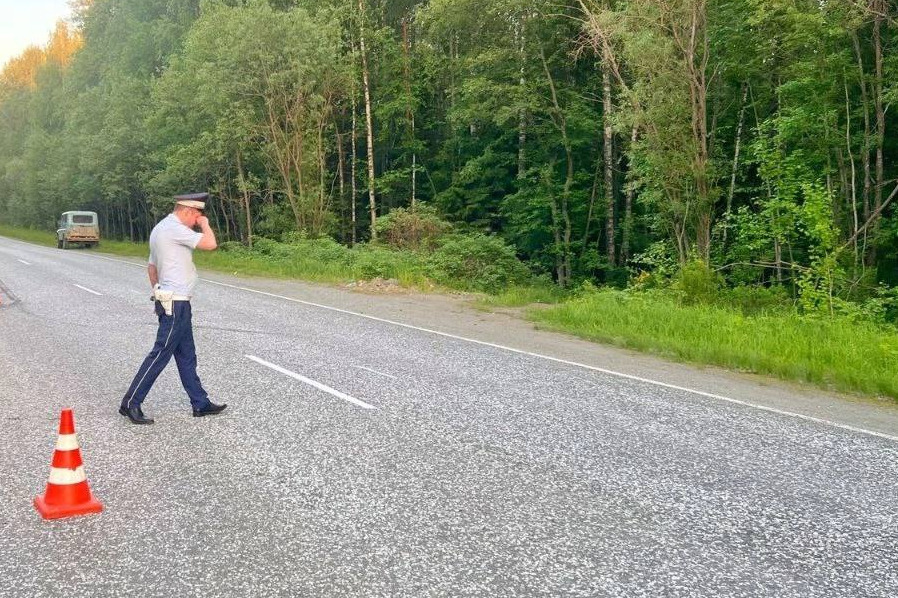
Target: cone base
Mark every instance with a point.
(59, 511)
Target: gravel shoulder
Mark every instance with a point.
(456, 315)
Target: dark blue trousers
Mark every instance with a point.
(174, 338)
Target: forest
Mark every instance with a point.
(591, 142)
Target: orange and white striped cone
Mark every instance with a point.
(67, 491)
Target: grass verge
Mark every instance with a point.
(519, 296)
(308, 265)
(838, 354)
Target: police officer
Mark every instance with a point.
(173, 276)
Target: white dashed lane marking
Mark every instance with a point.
(88, 290)
(311, 382)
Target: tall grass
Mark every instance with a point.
(39, 237)
(521, 295)
(832, 353)
(48, 239)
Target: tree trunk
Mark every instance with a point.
(592, 202)
(341, 170)
(880, 8)
(243, 186)
(224, 211)
(372, 205)
(697, 62)
(853, 182)
(453, 59)
(778, 256)
(735, 169)
(522, 83)
(321, 207)
(130, 222)
(560, 270)
(409, 112)
(353, 192)
(561, 124)
(608, 147)
(627, 232)
(865, 155)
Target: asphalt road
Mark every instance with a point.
(362, 458)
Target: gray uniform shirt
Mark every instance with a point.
(171, 251)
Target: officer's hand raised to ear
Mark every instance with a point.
(208, 241)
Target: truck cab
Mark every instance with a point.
(77, 227)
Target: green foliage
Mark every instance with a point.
(275, 220)
(658, 263)
(850, 356)
(411, 229)
(476, 262)
(696, 283)
(274, 249)
(374, 262)
(234, 247)
(542, 291)
(882, 306)
(758, 300)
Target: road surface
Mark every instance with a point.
(363, 457)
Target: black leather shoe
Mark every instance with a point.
(122, 410)
(210, 409)
(135, 414)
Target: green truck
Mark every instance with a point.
(77, 227)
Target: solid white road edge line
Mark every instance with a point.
(361, 367)
(311, 382)
(701, 393)
(24, 262)
(88, 290)
(709, 395)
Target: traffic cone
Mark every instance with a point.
(67, 491)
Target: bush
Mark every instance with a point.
(273, 249)
(407, 229)
(696, 283)
(372, 262)
(659, 260)
(275, 220)
(234, 248)
(325, 250)
(294, 237)
(883, 306)
(757, 300)
(476, 262)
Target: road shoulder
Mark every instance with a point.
(454, 315)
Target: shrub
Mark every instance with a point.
(273, 248)
(757, 300)
(696, 283)
(407, 229)
(659, 259)
(233, 247)
(476, 262)
(294, 237)
(883, 306)
(372, 262)
(275, 220)
(325, 250)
